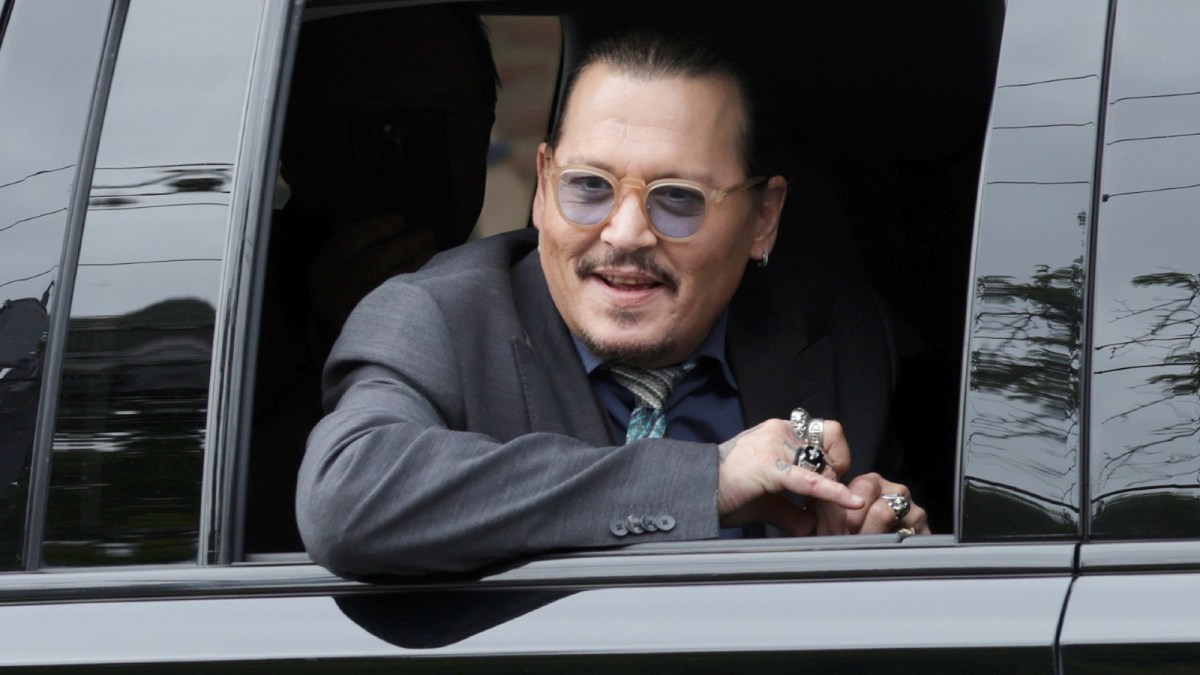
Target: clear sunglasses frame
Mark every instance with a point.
(712, 196)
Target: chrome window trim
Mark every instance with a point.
(231, 392)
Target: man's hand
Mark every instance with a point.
(756, 469)
(361, 256)
(879, 516)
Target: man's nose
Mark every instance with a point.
(629, 228)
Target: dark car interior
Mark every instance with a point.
(881, 108)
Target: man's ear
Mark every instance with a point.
(766, 221)
(540, 196)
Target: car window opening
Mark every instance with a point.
(887, 141)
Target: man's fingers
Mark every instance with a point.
(756, 466)
(916, 519)
(804, 482)
(880, 516)
(833, 445)
(790, 518)
(350, 239)
(837, 450)
(404, 252)
(869, 487)
(338, 284)
(757, 463)
(831, 518)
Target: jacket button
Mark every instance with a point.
(665, 522)
(617, 526)
(635, 524)
(649, 523)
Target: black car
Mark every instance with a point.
(1019, 180)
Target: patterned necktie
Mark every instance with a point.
(650, 388)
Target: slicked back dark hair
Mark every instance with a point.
(652, 55)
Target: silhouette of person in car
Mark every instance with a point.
(384, 152)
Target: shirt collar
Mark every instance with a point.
(713, 348)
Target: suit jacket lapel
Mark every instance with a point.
(779, 360)
(557, 391)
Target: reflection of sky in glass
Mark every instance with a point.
(1021, 420)
(1148, 257)
(1041, 219)
(48, 67)
(1049, 41)
(1060, 165)
(159, 203)
(128, 242)
(154, 115)
(34, 218)
(129, 436)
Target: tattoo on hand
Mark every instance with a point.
(727, 447)
(783, 466)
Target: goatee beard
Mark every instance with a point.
(640, 355)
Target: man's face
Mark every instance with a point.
(630, 296)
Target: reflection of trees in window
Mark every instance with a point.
(1174, 327)
(1147, 465)
(1027, 343)
(1034, 356)
(128, 447)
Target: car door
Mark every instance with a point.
(141, 433)
(1131, 608)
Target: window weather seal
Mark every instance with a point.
(1089, 288)
(231, 404)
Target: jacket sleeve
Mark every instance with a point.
(395, 482)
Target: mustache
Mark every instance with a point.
(639, 260)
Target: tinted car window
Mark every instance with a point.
(1022, 418)
(129, 442)
(559, 613)
(48, 63)
(1146, 359)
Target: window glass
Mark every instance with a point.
(1021, 421)
(48, 64)
(128, 446)
(1145, 415)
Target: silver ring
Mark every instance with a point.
(815, 434)
(799, 421)
(810, 457)
(906, 531)
(899, 503)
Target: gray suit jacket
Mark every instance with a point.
(462, 429)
